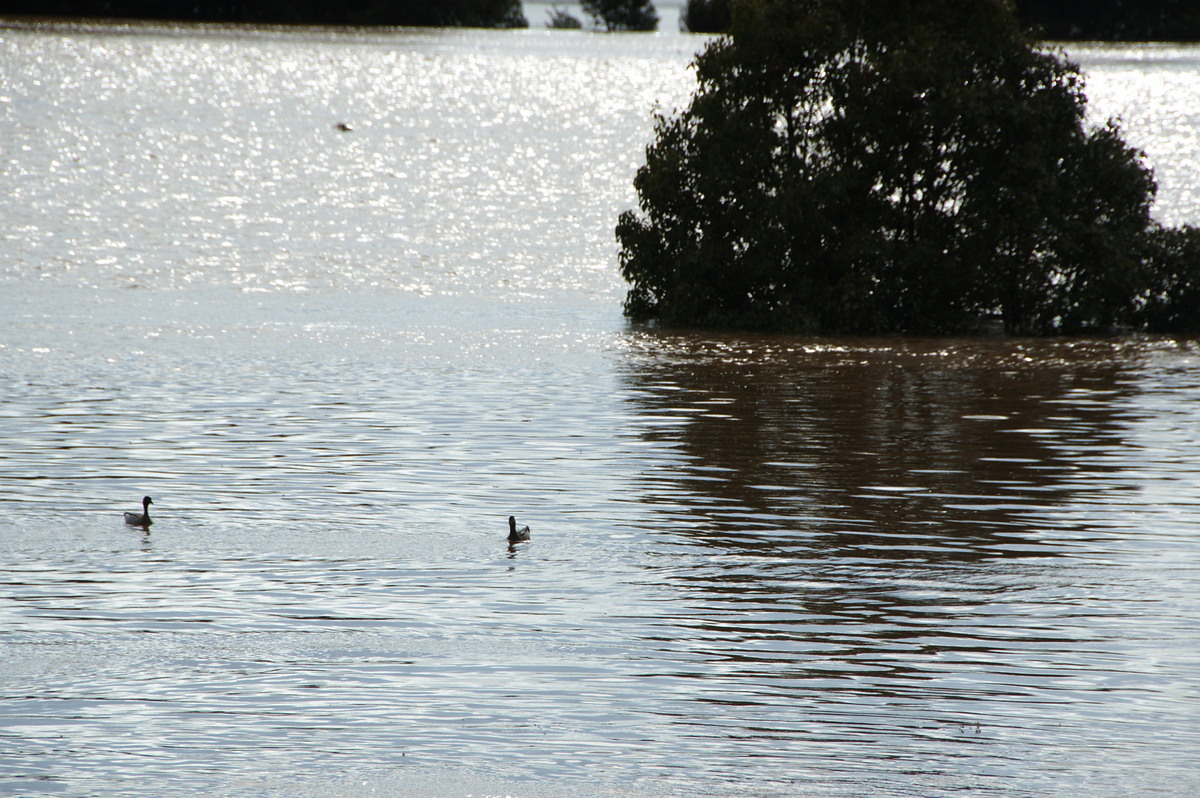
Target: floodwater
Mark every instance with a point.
(339, 360)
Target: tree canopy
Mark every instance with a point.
(622, 15)
(1113, 20)
(705, 16)
(915, 166)
(1107, 20)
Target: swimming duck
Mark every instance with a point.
(516, 535)
(142, 518)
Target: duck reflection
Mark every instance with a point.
(890, 447)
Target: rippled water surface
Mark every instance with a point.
(338, 360)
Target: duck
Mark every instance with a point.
(142, 518)
(516, 535)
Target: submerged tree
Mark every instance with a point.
(847, 165)
(622, 15)
(562, 20)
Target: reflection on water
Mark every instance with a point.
(760, 566)
(912, 449)
(913, 537)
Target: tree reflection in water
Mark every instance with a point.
(873, 518)
(937, 449)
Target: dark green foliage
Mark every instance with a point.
(622, 15)
(1106, 20)
(1113, 20)
(1172, 301)
(475, 13)
(1176, 20)
(850, 166)
(562, 20)
(1055, 19)
(706, 16)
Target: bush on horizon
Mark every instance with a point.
(705, 16)
(561, 19)
(847, 166)
(1061, 20)
(622, 15)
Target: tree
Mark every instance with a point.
(562, 20)
(1113, 20)
(1171, 301)
(705, 16)
(915, 166)
(622, 15)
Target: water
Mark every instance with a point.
(760, 566)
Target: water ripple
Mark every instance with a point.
(339, 361)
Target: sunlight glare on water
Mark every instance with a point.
(1125, 83)
(340, 359)
(468, 168)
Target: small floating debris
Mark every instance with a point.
(342, 126)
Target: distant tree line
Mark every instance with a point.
(622, 15)
(1104, 20)
(1112, 20)
(470, 13)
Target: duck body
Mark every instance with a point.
(142, 518)
(516, 535)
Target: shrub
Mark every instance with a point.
(1171, 303)
(562, 20)
(622, 15)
